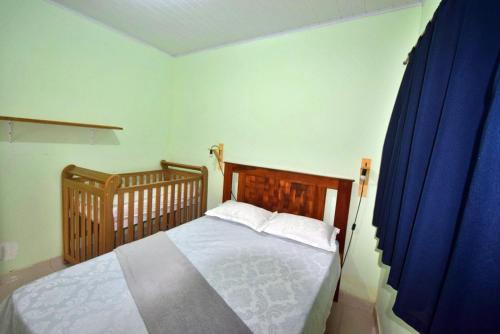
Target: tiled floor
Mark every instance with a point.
(349, 316)
(15, 279)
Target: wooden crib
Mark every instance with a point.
(102, 211)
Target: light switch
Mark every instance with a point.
(365, 164)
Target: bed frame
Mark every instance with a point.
(95, 206)
(291, 192)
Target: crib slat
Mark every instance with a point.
(187, 192)
(95, 227)
(88, 229)
(195, 202)
(83, 223)
(194, 199)
(65, 217)
(189, 200)
(130, 219)
(71, 222)
(149, 229)
(78, 216)
(119, 220)
(178, 199)
(180, 193)
(156, 226)
(78, 211)
(101, 247)
(140, 215)
(171, 209)
(185, 202)
(200, 198)
(195, 192)
(164, 222)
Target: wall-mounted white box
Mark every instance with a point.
(8, 250)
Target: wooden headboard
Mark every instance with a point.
(291, 192)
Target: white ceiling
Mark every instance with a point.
(180, 27)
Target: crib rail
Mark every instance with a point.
(88, 174)
(102, 211)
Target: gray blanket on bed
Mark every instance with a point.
(170, 293)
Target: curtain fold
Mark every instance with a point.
(472, 283)
(430, 200)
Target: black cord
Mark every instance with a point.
(355, 219)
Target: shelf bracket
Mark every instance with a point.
(10, 130)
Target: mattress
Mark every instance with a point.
(274, 285)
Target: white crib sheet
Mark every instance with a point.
(154, 214)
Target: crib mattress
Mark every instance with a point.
(154, 214)
(274, 285)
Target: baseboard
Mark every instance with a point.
(16, 278)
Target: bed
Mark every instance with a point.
(274, 285)
(102, 211)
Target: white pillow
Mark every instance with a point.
(243, 213)
(309, 231)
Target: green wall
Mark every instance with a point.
(315, 101)
(428, 9)
(57, 65)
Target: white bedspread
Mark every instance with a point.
(274, 285)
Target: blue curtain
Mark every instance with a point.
(437, 208)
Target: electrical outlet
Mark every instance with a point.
(8, 250)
